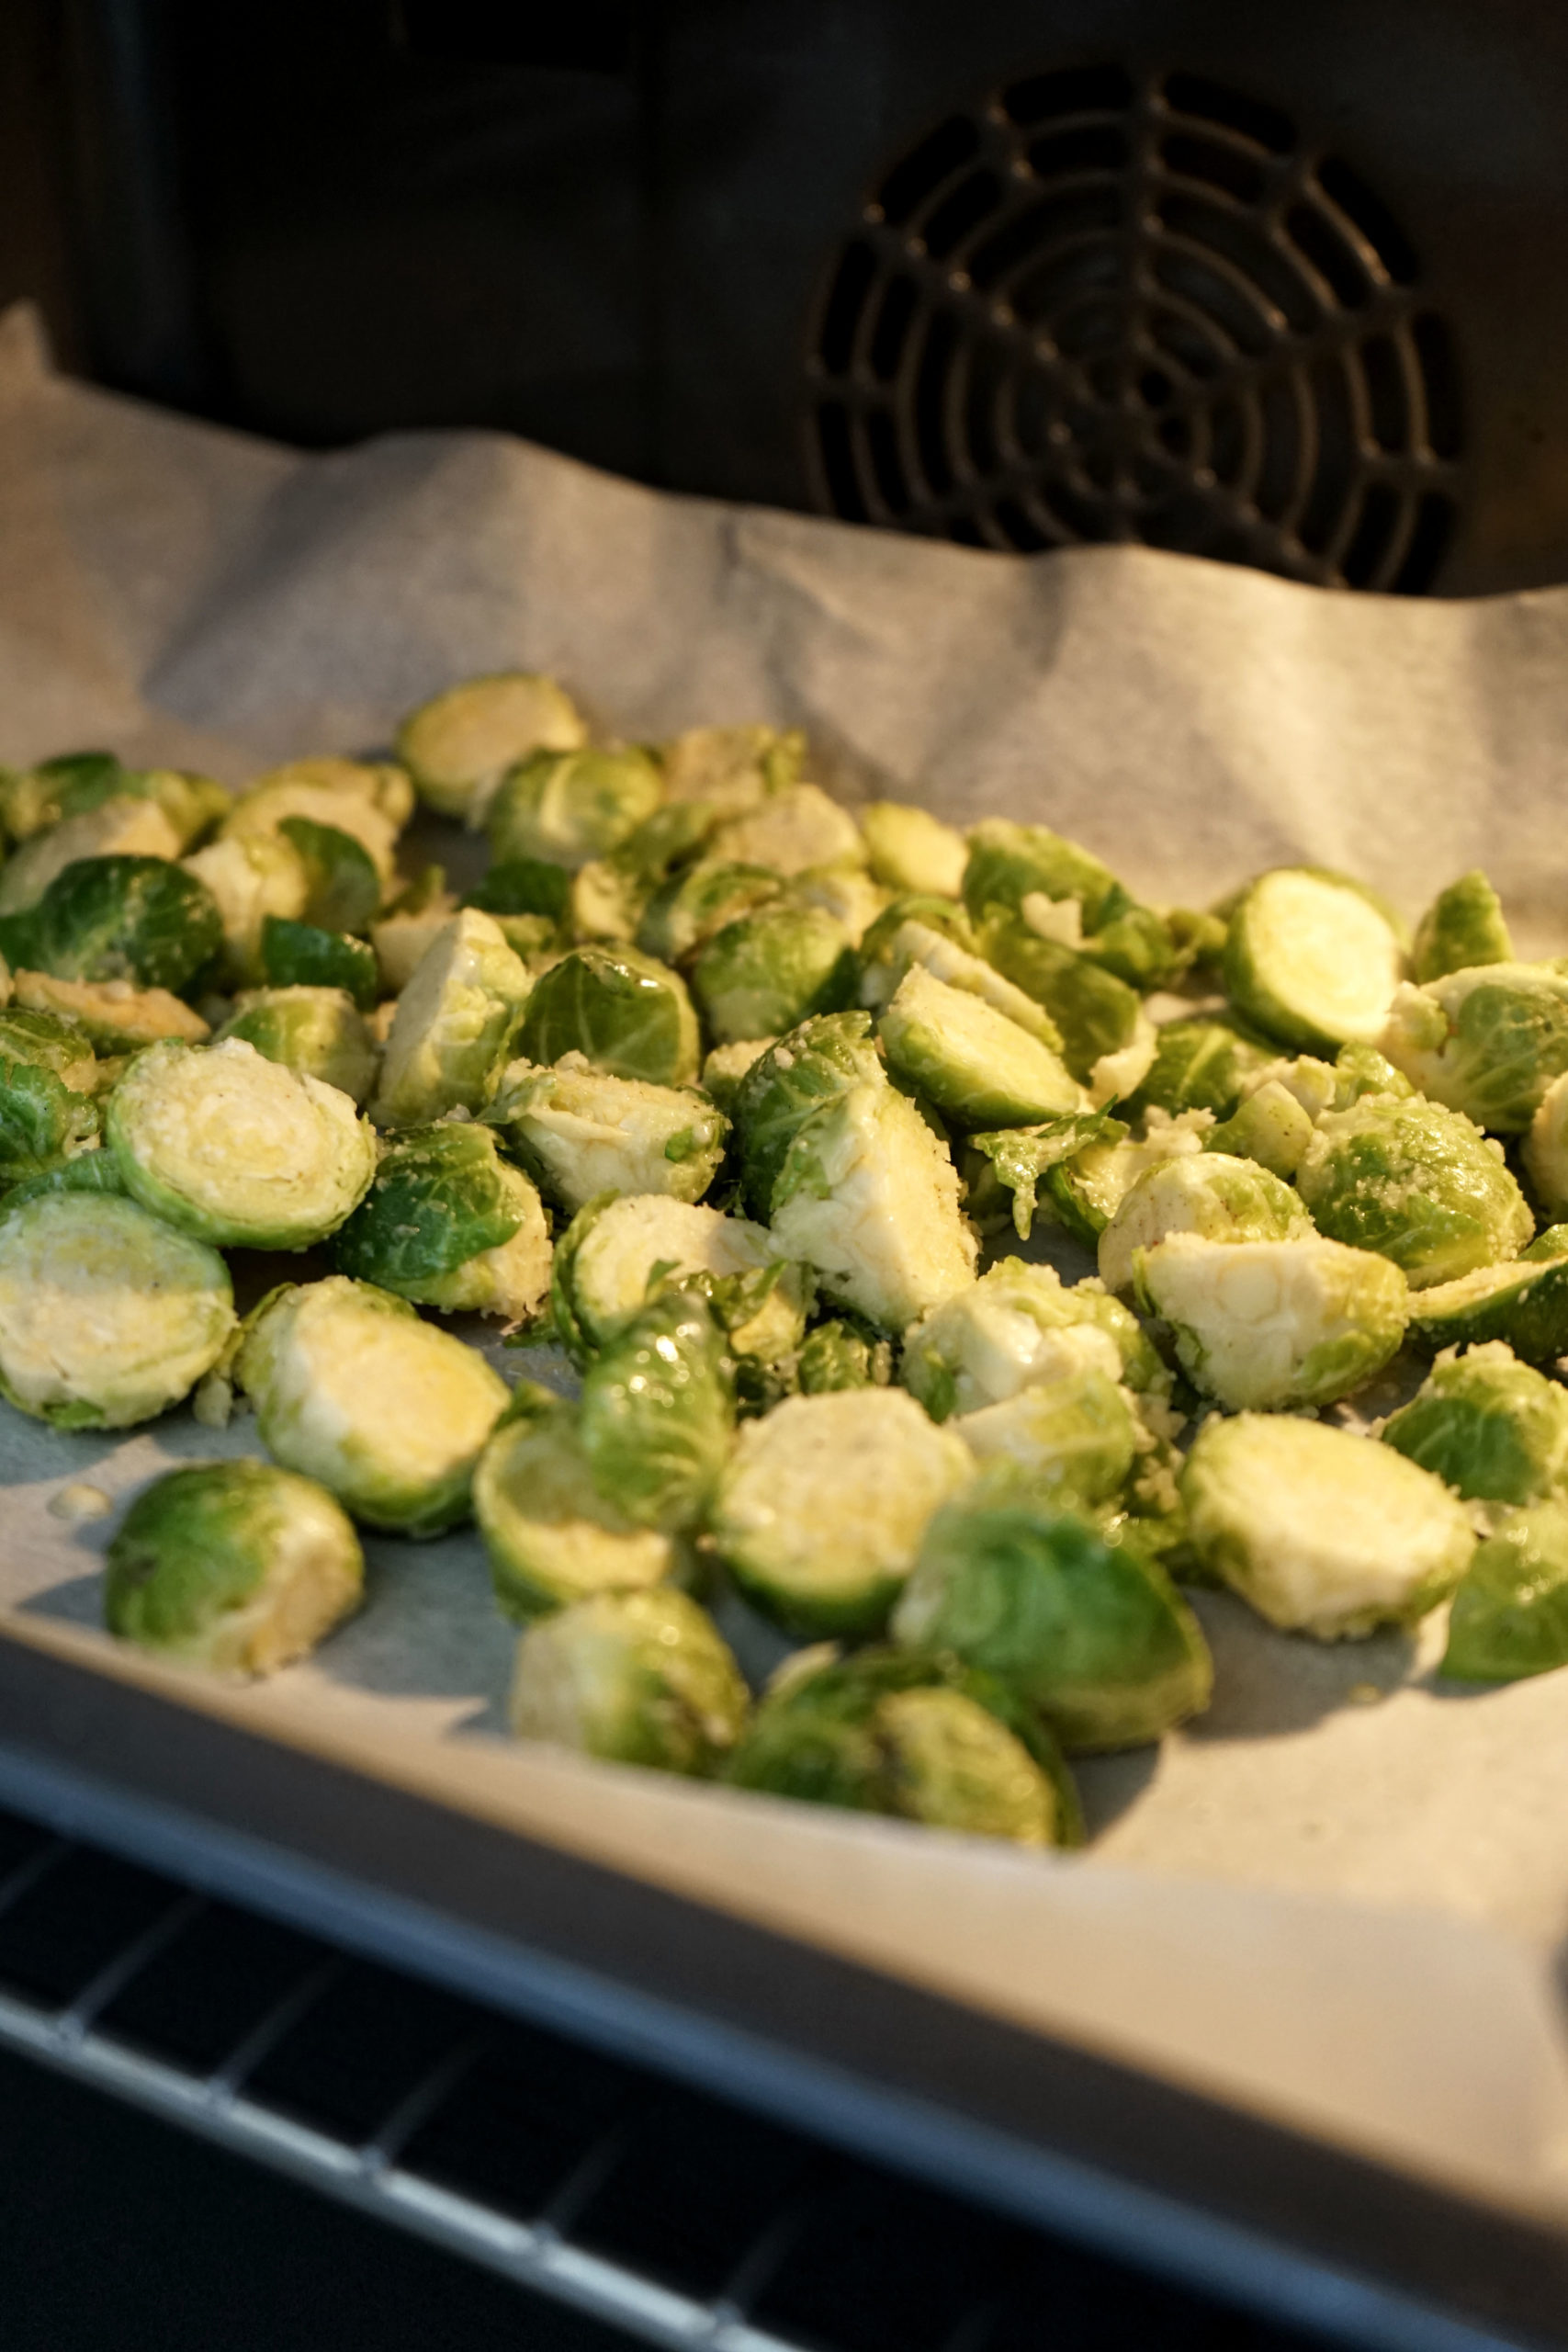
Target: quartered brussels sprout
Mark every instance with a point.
(1313, 958)
(698, 902)
(1074, 1438)
(1322, 1531)
(301, 955)
(114, 1017)
(1015, 1160)
(235, 1566)
(1487, 1042)
(1200, 1064)
(726, 1065)
(48, 1075)
(459, 745)
(1085, 1187)
(551, 1534)
(1545, 1153)
(733, 768)
(369, 802)
(566, 807)
(137, 919)
(107, 1317)
(773, 968)
(447, 1223)
(1510, 1617)
(1416, 1182)
(657, 1413)
(620, 1010)
(118, 828)
(836, 1356)
(822, 1508)
(1080, 1623)
(1017, 1326)
(352, 1388)
(1270, 1127)
(798, 1075)
(1205, 1192)
(621, 1250)
(1524, 1304)
(1274, 1323)
(1462, 927)
(635, 1678)
(582, 1133)
(1487, 1424)
(1108, 1040)
(793, 829)
(978, 1068)
(236, 1150)
(316, 1032)
(250, 877)
(453, 1026)
(343, 885)
(911, 850)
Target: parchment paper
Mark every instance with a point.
(1340, 1896)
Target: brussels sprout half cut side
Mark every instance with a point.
(1262, 1324)
(1206, 1193)
(620, 1250)
(635, 1678)
(453, 1026)
(1074, 1438)
(459, 745)
(1311, 959)
(979, 1068)
(1017, 1325)
(582, 1133)
(551, 1536)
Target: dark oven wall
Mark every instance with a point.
(1278, 285)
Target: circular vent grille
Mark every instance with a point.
(1095, 310)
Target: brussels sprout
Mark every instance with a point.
(836, 1356)
(1008, 863)
(524, 886)
(657, 1413)
(355, 807)
(847, 893)
(550, 1535)
(1074, 1438)
(1416, 1182)
(620, 1251)
(1100, 1020)
(1081, 1623)
(887, 949)
(911, 850)
(1487, 1042)
(68, 786)
(700, 900)
(1086, 1187)
(869, 1199)
(1357, 1071)
(612, 896)
(301, 955)
(637, 1678)
(566, 807)
(235, 1566)
(977, 1067)
(316, 1032)
(1524, 1304)
(1489, 1427)
(459, 746)
(799, 1075)
(137, 918)
(352, 1388)
(1270, 1127)
(1199, 939)
(1274, 1323)
(1017, 1326)
(1015, 1159)
(236, 1150)
(821, 1513)
(620, 1010)
(1462, 927)
(726, 1065)
(446, 1223)
(771, 969)
(1311, 959)
(794, 828)
(581, 1133)
(118, 828)
(96, 1173)
(343, 886)
(453, 1026)
(1510, 1609)
(1207, 1192)
(112, 1016)
(1545, 1153)
(733, 768)
(47, 1079)
(250, 878)
(107, 1317)
(1200, 1065)
(1319, 1086)
(1322, 1531)
(917, 944)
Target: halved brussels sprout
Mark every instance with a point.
(1489, 1428)
(1311, 959)
(1274, 1323)
(1487, 1042)
(1524, 1304)
(447, 1223)
(1462, 927)
(836, 1356)
(796, 827)
(1017, 1326)
(773, 968)
(459, 745)
(1080, 1623)
(911, 850)
(1270, 1127)
(48, 1075)
(401, 938)
(1015, 1160)
(453, 1026)
(582, 1133)
(1510, 1609)
(343, 886)
(626, 1015)
(137, 918)
(1008, 863)
(119, 828)
(698, 902)
(1086, 1187)
(798, 1075)
(846, 892)
(352, 1388)
(317, 1031)
(726, 1065)
(353, 803)
(113, 1016)
(250, 877)
(1199, 1064)
(1545, 1153)
(821, 1513)
(78, 782)
(107, 1315)
(1419, 1184)
(1205, 1192)
(235, 1566)
(637, 1677)
(978, 1068)
(620, 1251)
(236, 1150)
(566, 807)
(657, 1413)
(1322, 1531)
(1074, 1438)
(301, 955)
(551, 1536)
(1100, 1020)
(907, 932)
(733, 768)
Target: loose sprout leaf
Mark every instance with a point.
(1020, 1156)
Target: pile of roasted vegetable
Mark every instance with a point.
(732, 1094)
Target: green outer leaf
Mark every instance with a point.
(42, 1121)
(1200, 1065)
(567, 1324)
(344, 885)
(437, 1199)
(1528, 1309)
(523, 886)
(810, 1067)
(139, 919)
(1096, 1012)
(301, 955)
(1510, 1609)
(623, 1011)
(1462, 928)
(657, 1414)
